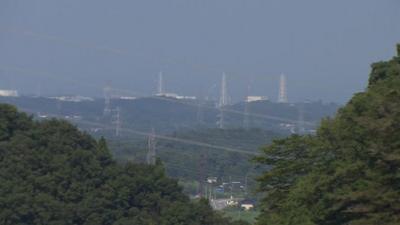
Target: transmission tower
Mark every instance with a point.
(117, 121)
(283, 98)
(151, 144)
(223, 101)
(202, 175)
(160, 88)
(107, 100)
(221, 118)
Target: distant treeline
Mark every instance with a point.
(169, 115)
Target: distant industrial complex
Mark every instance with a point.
(8, 93)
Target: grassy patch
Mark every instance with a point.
(237, 214)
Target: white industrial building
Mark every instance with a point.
(72, 98)
(8, 93)
(256, 98)
(175, 96)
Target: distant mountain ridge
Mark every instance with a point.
(168, 115)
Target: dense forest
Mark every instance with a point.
(52, 173)
(192, 120)
(348, 173)
(182, 160)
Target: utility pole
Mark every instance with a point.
(117, 121)
(151, 154)
(231, 185)
(245, 184)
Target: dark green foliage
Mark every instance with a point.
(51, 173)
(398, 50)
(182, 160)
(348, 174)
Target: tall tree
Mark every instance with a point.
(348, 173)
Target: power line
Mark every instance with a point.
(104, 49)
(53, 38)
(191, 142)
(157, 136)
(221, 109)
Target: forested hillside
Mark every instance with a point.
(349, 172)
(191, 162)
(51, 173)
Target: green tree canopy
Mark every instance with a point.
(51, 173)
(349, 172)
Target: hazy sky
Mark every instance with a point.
(75, 46)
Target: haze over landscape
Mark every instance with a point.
(76, 47)
(189, 112)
